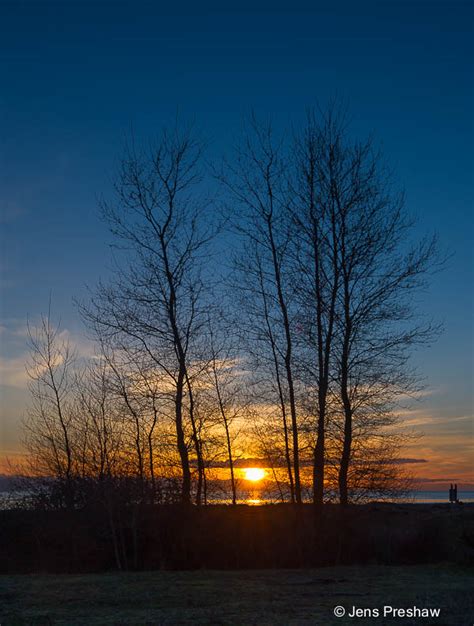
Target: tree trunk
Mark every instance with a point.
(182, 448)
(346, 401)
(288, 366)
(319, 450)
(345, 458)
(197, 444)
(279, 387)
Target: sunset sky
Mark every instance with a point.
(76, 78)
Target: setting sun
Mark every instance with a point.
(254, 473)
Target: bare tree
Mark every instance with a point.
(314, 212)
(257, 182)
(358, 274)
(49, 428)
(378, 325)
(310, 369)
(226, 382)
(98, 423)
(154, 304)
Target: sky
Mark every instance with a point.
(77, 77)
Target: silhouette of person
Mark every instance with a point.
(451, 493)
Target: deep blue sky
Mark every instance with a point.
(76, 76)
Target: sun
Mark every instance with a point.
(254, 474)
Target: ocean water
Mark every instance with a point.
(12, 498)
(434, 497)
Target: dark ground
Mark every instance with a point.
(236, 565)
(233, 538)
(258, 597)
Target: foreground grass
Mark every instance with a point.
(236, 597)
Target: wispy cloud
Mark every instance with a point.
(14, 351)
(13, 372)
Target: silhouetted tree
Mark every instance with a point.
(359, 275)
(49, 428)
(257, 182)
(306, 373)
(314, 211)
(154, 304)
(226, 383)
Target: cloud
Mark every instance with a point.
(15, 354)
(13, 372)
(420, 394)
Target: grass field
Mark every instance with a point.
(237, 597)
